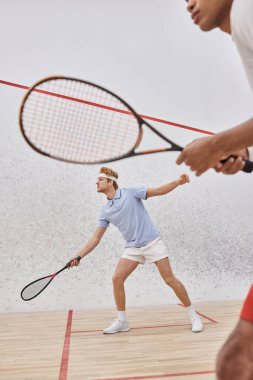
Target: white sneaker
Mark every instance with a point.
(197, 325)
(117, 326)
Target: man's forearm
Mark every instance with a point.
(236, 138)
(88, 247)
(167, 188)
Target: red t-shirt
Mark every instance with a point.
(247, 310)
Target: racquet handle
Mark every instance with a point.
(248, 167)
(68, 264)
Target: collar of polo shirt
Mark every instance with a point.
(117, 196)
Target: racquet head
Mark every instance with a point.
(33, 289)
(80, 122)
(77, 121)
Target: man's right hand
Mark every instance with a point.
(74, 262)
(234, 164)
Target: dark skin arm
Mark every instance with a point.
(206, 153)
(235, 359)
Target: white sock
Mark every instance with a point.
(191, 311)
(122, 316)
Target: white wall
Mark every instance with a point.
(149, 53)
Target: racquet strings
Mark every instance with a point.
(33, 289)
(73, 130)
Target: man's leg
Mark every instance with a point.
(168, 276)
(123, 269)
(180, 291)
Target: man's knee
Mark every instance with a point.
(118, 278)
(170, 280)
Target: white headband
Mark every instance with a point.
(103, 175)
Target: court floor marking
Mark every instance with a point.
(140, 327)
(201, 315)
(66, 346)
(210, 320)
(65, 353)
(177, 374)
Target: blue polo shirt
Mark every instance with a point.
(127, 212)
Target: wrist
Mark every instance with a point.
(234, 139)
(220, 143)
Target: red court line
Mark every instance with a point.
(138, 328)
(202, 315)
(65, 352)
(208, 318)
(177, 374)
(13, 84)
(110, 108)
(177, 125)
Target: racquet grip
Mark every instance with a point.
(248, 167)
(77, 258)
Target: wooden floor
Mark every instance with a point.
(70, 344)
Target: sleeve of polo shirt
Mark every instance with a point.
(139, 191)
(103, 222)
(250, 150)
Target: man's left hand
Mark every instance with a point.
(184, 178)
(201, 155)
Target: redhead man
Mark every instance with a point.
(143, 244)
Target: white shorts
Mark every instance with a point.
(150, 253)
